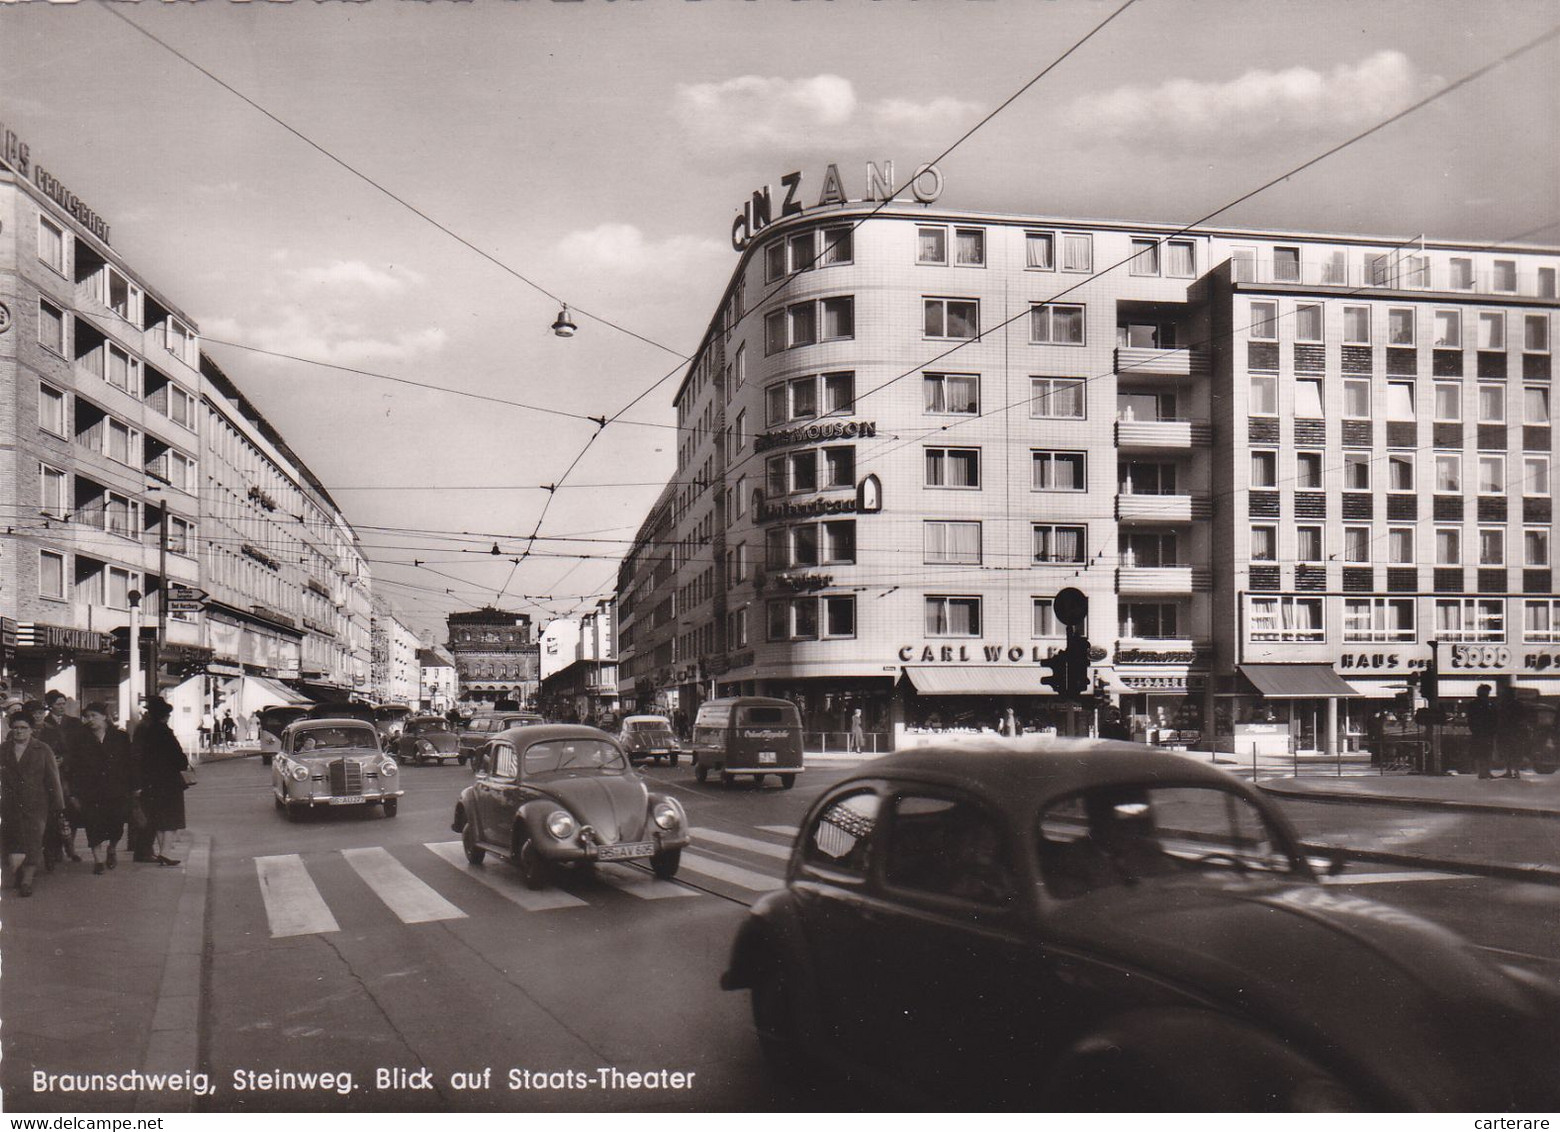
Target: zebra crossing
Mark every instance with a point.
(732, 863)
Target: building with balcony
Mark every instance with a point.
(1279, 465)
(579, 676)
(394, 665)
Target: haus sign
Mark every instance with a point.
(760, 211)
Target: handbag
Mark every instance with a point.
(188, 776)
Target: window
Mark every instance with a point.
(1056, 397)
(802, 249)
(1149, 620)
(1503, 276)
(1056, 324)
(1045, 622)
(799, 324)
(1356, 325)
(839, 318)
(51, 575)
(180, 341)
(1535, 546)
(1535, 405)
(1356, 398)
(1400, 546)
(839, 392)
(953, 467)
(1492, 330)
(1448, 401)
(839, 467)
(952, 393)
(1264, 544)
(51, 409)
(120, 583)
(1400, 400)
(1264, 396)
(952, 616)
(1400, 473)
(122, 441)
(969, 247)
(803, 323)
(1308, 322)
(1040, 250)
(797, 619)
(1264, 469)
(1492, 404)
(739, 368)
(774, 332)
(1335, 268)
(1470, 619)
(952, 318)
(1264, 319)
(839, 541)
(1077, 251)
(802, 468)
(843, 831)
(1059, 543)
(1308, 398)
(1181, 259)
(52, 499)
(1535, 333)
(931, 245)
(774, 261)
(792, 400)
(1383, 619)
(1380, 269)
(1356, 544)
(951, 543)
(181, 406)
(51, 327)
(948, 849)
(1546, 282)
(838, 245)
(1460, 273)
(181, 536)
(1492, 475)
(1286, 619)
(1535, 475)
(123, 371)
(1286, 265)
(1308, 544)
(740, 430)
(1308, 470)
(1492, 546)
(51, 244)
(1448, 475)
(1400, 326)
(1448, 330)
(1145, 256)
(1541, 621)
(1058, 471)
(742, 496)
(1356, 471)
(804, 545)
(1448, 546)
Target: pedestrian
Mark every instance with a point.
(30, 797)
(59, 731)
(160, 764)
(252, 729)
(208, 724)
(102, 771)
(1482, 727)
(858, 731)
(229, 729)
(1511, 731)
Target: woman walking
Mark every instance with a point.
(29, 797)
(102, 774)
(161, 762)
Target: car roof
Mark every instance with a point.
(645, 719)
(747, 701)
(332, 724)
(541, 732)
(1019, 771)
(426, 719)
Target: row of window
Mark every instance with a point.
(1050, 470)
(1394, 268)
(118, 367)
(960, 245)
(120, 442)
(96, 506)
(1359, 545)
(94, 582)
(1395, 619)
(943, 317)
(1490, 400)
(1403, 326)
(1490, 468)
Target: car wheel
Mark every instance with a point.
(277, 798)
(265, 760)
(532, 866)
(468, 841)
(665, 863)
(391, 805)
(461, 761)
(758, 782)
(786, 780)
(727, 778)
(700, 772)
(294, 813)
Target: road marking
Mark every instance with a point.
(293, 906)
(731, 874)
(504, 880)
(784, 830)
(751, 844)
(637, 882)
(401, 890)
(1393, 878)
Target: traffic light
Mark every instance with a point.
(1407, 698)
(1430, 680)
(1069, 668)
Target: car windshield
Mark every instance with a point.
(333, 738)
(763, 716)
(426, 726)
(648, 725)
(573, 754)
(1124, 835)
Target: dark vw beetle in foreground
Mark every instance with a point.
(1088, 925)
(556, 794)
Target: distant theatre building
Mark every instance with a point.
(495, 655)
(1279, 464)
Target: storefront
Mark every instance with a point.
(78, 662)
(1284, 708)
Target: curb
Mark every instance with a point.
(1505, 809)
(1527, 874)
(174, 1044)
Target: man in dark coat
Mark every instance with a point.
(102, 775)
(29, 796)
(1482, 725)
(160, 765)
(59, 730)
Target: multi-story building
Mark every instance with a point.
(1278, 465)
(579, 666)
(495, 656)
(394, 669)
(439, 683)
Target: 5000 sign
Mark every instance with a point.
(1481, 656)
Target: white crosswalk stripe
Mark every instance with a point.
(735, 841)
(400, 888)
(731, 874)
(783, 830)
(292, 904)
(1392, 878)
(504, 880)
(637, 882)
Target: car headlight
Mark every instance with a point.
(667, 814)
(561, 824)
(386, 766)
(297, 771)
(424, 746)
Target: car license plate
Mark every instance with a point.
(765, 757)
(623, 852)
(347, 800)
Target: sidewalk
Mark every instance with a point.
(1532, 795)
(102, 974)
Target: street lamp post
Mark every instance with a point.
(127, 707)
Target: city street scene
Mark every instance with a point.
(681, 556)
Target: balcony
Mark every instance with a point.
(1155, 361)
(1162, 508)
(1401, 272)
(1162, 579)
(1163, 434)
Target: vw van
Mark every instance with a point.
(748, 735)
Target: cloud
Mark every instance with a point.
(1256, 107)
(357, 276)
(624, 249)
(752, 112)
(318, 335)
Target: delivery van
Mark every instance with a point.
(748, 735)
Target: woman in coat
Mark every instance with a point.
(161, 763)
(29, 797)
(102, 775)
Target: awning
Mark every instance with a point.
(1297, 681)
(935, 680)
(262, 691)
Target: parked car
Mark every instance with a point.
(480, 729)
(564, 794)
(391, 718)
(649, 737)
(344, 709)
(273, 721)
(425, 738)
(333, 762)
(748, 735)
(1096, 925)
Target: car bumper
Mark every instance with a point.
(367, 798)
(565, 852)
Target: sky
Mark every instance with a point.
(595, 152)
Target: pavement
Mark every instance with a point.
(103, 974)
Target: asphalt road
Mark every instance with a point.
(357, 945)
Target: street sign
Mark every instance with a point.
(181, 593)
(179, 605)
(1071, 606)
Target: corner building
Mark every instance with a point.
(1278, 464)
